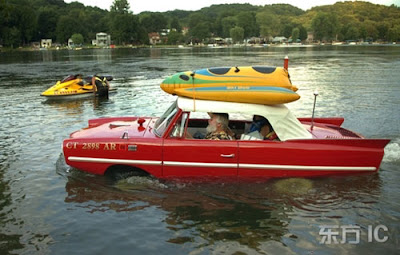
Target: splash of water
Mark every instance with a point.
(139, 183)
(392, 151)
(297, 186)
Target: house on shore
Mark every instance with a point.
(154, 38)
(310, 37)
(46, 43)
(102, 40)
(279, 39)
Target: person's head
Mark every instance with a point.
(260, 124)
(266, 129)
(218, 122)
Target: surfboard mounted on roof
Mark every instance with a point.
(245, 84)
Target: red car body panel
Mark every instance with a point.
(132, 141)
(183, 157)
(309, 157)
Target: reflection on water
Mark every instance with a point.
(11, 240)
(68, 106)
(47, 208)
(250, 215)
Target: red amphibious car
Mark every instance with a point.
(160, 147)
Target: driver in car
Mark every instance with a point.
(217, 128)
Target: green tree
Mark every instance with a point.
(174, 37)
(67, 26)
(295, 34)
(325, 26)
(362, 32)
(153, 22)
(7, 27)
(303, 33)
(175, 24)
(352, 33)
(247, 21)
(12, 37)
(383, 28)
(287, 30)
(96, 20)
(201, 31)
(237, 34)
(265, 31)
(47, 17)
(77, 39)
(125, 28)
(27, 23)
(227, 24)
(371, 29)
(17, 19)
(142, 36)
(394, 33)
(120, 6)
(269, 23)
(195, 19)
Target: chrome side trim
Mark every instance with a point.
(199, 164)
(310, 168)
(114, 161)
(222, 165)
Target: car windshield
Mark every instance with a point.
(163, 122)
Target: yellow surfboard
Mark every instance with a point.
(258, 84)
(241, 94)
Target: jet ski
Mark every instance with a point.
(77, 86)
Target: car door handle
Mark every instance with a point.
(228, 155)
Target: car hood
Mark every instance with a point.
(117, 128)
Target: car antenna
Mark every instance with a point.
(313, 111)
(286, 63)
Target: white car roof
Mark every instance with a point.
(285, 124)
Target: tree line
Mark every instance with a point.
(25, 21)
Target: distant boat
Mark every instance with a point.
(73, 87)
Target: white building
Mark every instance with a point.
(46, 43)
(102, 39)
(70, 43)
(279, 39)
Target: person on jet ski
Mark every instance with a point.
(101, 85)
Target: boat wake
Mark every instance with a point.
(392, 151)
(61, 167)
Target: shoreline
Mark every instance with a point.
(30, 48)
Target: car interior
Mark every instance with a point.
(197, 123)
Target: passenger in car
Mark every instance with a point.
(268, 133)
(260, 129)
(217, 128)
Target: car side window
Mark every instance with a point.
(179, 128)
(163, 122)
(197, 124)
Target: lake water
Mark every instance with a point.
(48, 208)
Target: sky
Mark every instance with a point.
(138, 6)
